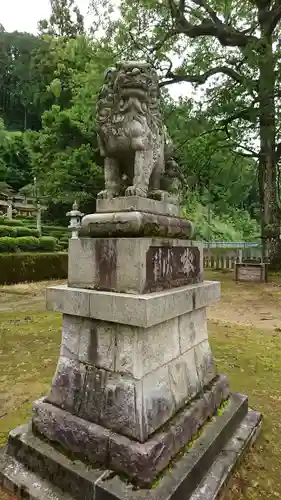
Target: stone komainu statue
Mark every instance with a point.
(131, 134)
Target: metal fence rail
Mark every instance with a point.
(230, 244)
(223, 255)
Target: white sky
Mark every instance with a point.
(23, 15)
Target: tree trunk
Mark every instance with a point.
(270, 224)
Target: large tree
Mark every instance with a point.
(236, 47)
(65, 20)
(17, 106)
(66, 158)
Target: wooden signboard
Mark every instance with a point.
(249, 271)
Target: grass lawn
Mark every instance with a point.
(250, 356)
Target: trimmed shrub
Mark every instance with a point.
(8, 244)
(24, 218)
(26, 231)
(14, 232)
(47, 243)
(22, 267)
(28, 243)
(7, 222)
(47, 227)
(8, 231)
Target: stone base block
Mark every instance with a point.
(135, 224)
(142, 310)
(134, 265)
(141, 462)
(31, 468)
(135, 394)
(138, 203)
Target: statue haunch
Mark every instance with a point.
(131, 134)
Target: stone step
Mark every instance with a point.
(222, 469)
(176, 485)
(39, 457)
(23, 483)
(211, 459)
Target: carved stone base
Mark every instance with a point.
(139, 204)
(141, 462)
(134, 225)
(31, 468)
(134, 265)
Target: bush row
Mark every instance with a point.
(17, 231)
(22, 267)
(7, 222)
(27, 244)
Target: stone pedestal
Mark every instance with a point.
(136, 390)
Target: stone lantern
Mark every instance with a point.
(75, 220)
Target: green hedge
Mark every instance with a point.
(27, 244)
(47, 243)
(23, 267)
(15, 231)
(7, 222)
(26, 231)
(8, 231)
(7, 244)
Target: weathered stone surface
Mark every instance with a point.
(138, 152)
(72, 327)
(143, 310)
(170, 267)
(122, 407)
(68, 383)
(130, 406)
(184, 381)
(39, 456)
(128, 349)
(206, 295)
(134, 224)
(139, 204)
(192, 329)
(158, 401)
(97, 344)
(89, 341)
(29, 466)
(134, 265)
(140, 461)
(68, 301)
(182, 480)
(121, 348)
(221, 469)
(137, 349)
(205, 364)
(77, 436)
(24, 484)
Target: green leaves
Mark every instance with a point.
(66, 157)
(66, 20)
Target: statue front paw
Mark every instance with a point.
(135, 191)
(103, 194)
(159, 194)
(107, 194)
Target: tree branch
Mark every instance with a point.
(250, 152)
(275, 16)
(206, 132)
(210, 26)
(201, 79)
(278, 152)
(213, 15)
(249, 114)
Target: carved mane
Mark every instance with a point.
(130, 92)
